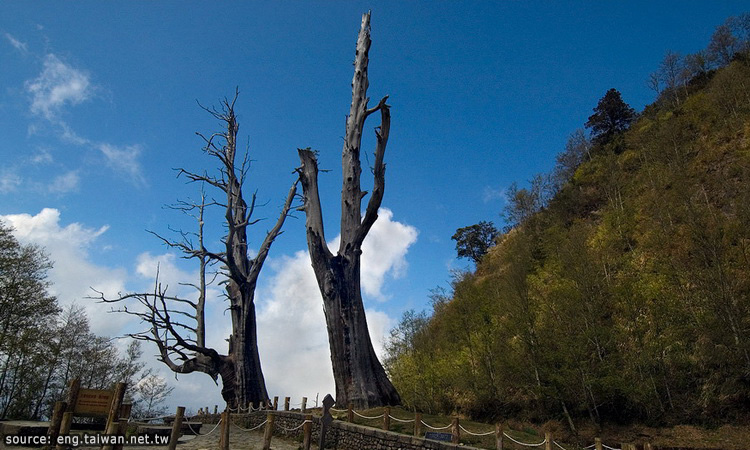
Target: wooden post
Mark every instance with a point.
(176, 427)
(307, 432)
(55, 421)
(418, 425)
(268, 433)
(125, 411)
(456, 435)
(598, 444)
(276, 403)
(73, 388)
(224, 436)
(499, 436)
(304, 405)
(113, 419)
(286, 403)
(387, 418)
(548, 440)
(122, 429)
(350, 413)
(216, 409)
(67, 421)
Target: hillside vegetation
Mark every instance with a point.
(621, 290)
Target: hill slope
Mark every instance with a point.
(626, 297)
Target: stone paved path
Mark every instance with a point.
(238, 440)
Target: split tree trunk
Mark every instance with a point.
(359, 376)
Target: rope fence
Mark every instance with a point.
(289, 430)
(368, 417)
(147, 419)
(401, 420)
(435, 428)
(476, 434)
(206, 434)
(524, 443)
(196, 433)
(250, 429)
(456, 429)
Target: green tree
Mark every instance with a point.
(611, 117)
(577, 150)
(523, 203)
(474, 241)
(26, 311)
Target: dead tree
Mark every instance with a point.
(359, 376)
(177, 325)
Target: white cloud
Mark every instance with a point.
(292, 333)
(124, 159)
(9, 181)
(58, 85)
(291, 326)
(384, 251)
(73, 272)
(491, 194)
(43, 156)
(170, 274)
(67, 182)
(18, 45)
(61, 85)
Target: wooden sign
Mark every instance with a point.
(93, 402)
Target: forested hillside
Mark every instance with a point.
(620, 290)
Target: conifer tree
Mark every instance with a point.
(611, 116)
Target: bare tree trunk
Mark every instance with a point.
(359, 376)
(180, 336)
(250, 384)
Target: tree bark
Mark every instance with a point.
(360, 378)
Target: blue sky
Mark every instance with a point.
(98, 105)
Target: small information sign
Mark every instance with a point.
(445, 437)
(93, 402)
